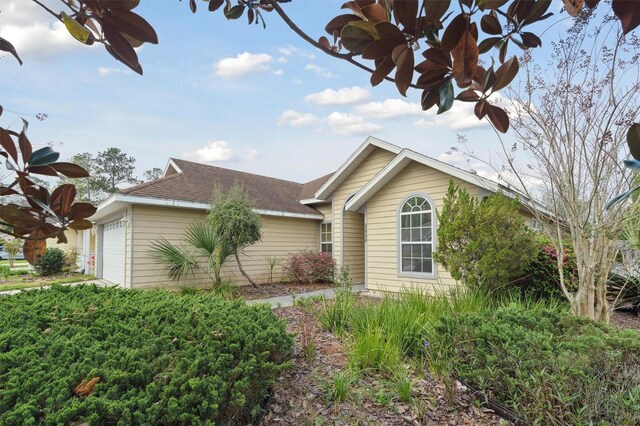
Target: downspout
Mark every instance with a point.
(131, 249)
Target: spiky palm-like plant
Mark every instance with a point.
(202, 251)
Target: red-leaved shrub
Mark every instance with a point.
(309, 267)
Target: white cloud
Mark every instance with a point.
(350, 124)
(459, 117)
(292, 50)
(220, 151)
(345, 96)
(243, 64)
(298, 119)
(389, 108)
(33, 32)
(104, 71)
(279, 71)
(319, 71)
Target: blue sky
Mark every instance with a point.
(217, 91)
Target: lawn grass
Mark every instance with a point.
(532, 356)
(19, 284)
(20, 263)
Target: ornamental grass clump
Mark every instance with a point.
(86, 354)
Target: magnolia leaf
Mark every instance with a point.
(337, 23)
(429, 99)
(355, 36)
(490, 25)
(633, 140)
(506, 73)
(70, 170)
(453, 33)
(8, 145)
(215, 5)
(81, 211)
(120, 47)
(465, 59)
(8, 47)
(378, 49)
(43, 156)
(446, 96)
(77, 31)
(25, 146)
(134, 26)
(383, 69)
(632, 164)
(498, 118)
(574, 7)
(405, 13)
(80, 225)
(33, 250)
(375, 13)
(403, 58)
(491, 4)
(435, 9)
(235, 12)
(628, 12)
(621, 197)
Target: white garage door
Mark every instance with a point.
(113, 249)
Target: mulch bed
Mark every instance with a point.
(265, 291)
(623, 319)
(299, 396)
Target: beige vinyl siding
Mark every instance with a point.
(382, 228)
(127, 244)
(353, 226)
(325, 209)
(72, 241)
(280, 237)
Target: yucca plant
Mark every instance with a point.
(202, 251)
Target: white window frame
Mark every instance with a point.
(330, 242)
(425, 275)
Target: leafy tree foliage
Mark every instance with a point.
(87, 188)
(114, 167)
(484, 243)
(235, 222)
(12, 248)
(152, 174)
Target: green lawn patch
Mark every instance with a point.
(70, 355)
(16, 263)
(28, 281)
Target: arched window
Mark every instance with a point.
(416, 236)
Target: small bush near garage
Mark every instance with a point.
(309, 267)
(547, 365)
(51, 263)
(97, 355)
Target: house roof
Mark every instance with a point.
(194, 182)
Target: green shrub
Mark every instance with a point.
(5, 271)
(541, 279)
(482, 243)
(51, 263)
(549, 366)
(161, 358)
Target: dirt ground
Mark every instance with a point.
(265, 291)
(625, 319)
(301, 394)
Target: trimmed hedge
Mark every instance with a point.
(549, 366)
(309, 267)
(161, 358)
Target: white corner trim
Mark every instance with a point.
(338, 176)
(400, 162)
(126, 199)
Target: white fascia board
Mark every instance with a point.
(400, 162)
(172, 164)
(339, 175)
(118, 201)
(311, 201)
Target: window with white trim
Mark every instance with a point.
(416, 236)
(326, 237)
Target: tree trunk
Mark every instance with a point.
(244, 274)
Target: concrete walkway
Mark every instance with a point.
(16, 291)
(284, 301)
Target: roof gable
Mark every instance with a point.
(402, 160)
(352, 163)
